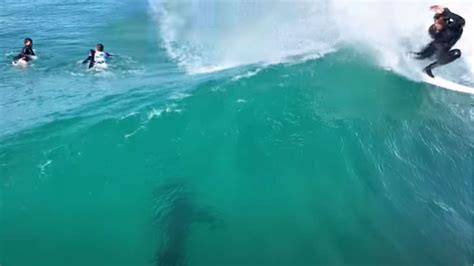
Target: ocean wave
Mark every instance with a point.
(209, 36)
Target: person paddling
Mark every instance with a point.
(97, 57)
(27, 53)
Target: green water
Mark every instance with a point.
(274, 169)
(328, 161)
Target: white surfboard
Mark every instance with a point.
(24, 63)
(20, 63)
(446, 84)
(99, 67)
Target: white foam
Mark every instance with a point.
(211, 35)
(154, 113)
(208, 36)
(246, 75)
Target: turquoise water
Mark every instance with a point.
(330, 160)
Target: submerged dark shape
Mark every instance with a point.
(175, 212)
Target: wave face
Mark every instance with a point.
(327, 162)
(204, 36)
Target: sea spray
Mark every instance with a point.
(206, 36)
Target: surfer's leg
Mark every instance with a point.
(429, 68)
(91, 63)
(428, 51)
(443, 59)
(449, 57)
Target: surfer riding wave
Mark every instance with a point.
(446, 30)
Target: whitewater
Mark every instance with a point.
(206, 36)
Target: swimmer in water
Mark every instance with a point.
(27, 53)
(97, 57)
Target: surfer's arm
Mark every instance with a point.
(454, 20)
(30, 51)
(89, 58)
(432, 31)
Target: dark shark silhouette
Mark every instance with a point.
(175, 212)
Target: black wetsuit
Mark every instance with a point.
(443, 41)
(25, 54)
(90, 59)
